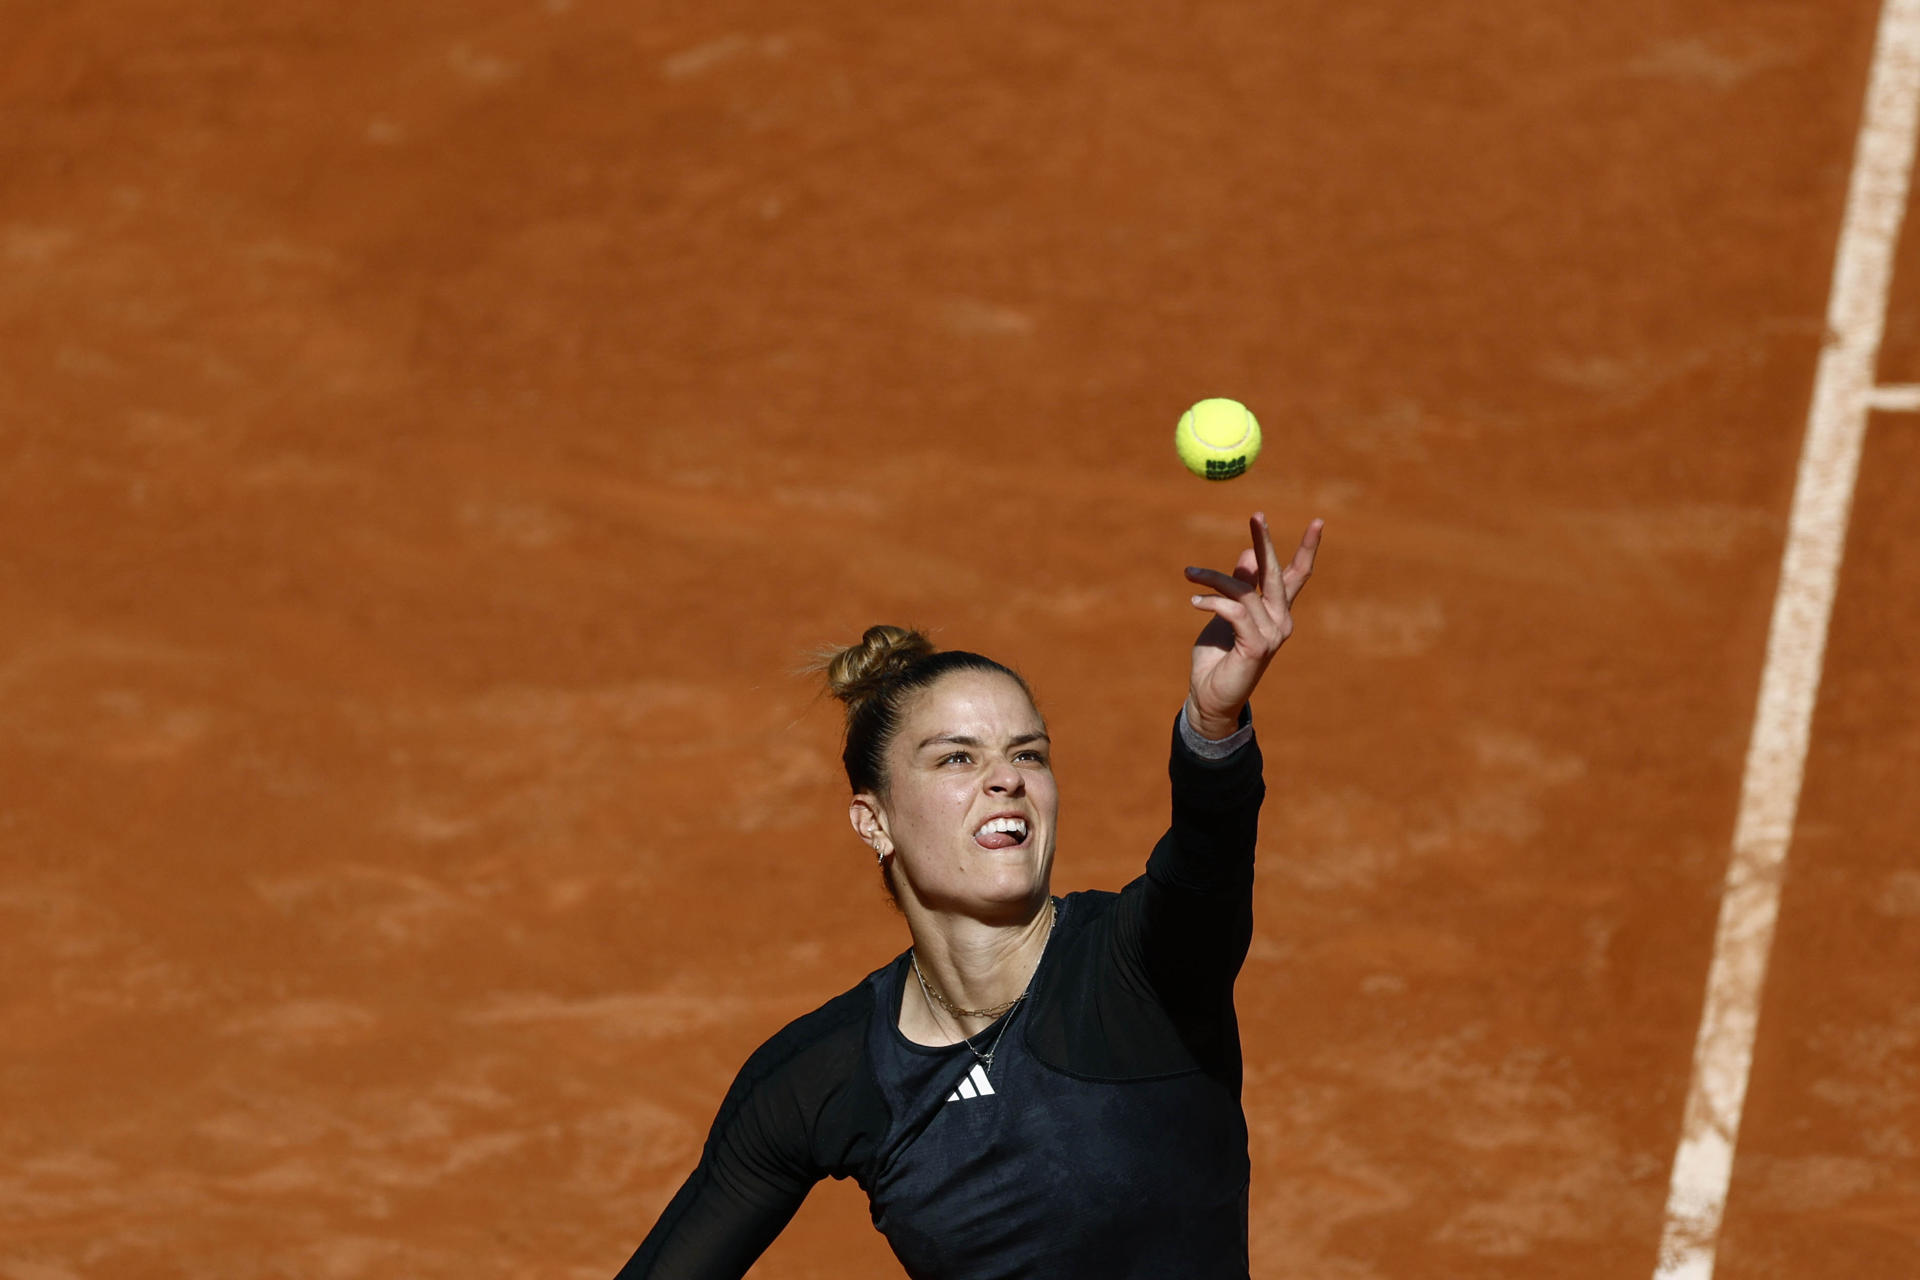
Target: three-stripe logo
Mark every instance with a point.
(973, 1085)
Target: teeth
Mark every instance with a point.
(1012, 826)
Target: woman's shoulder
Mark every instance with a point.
(830, 1035)
(803, 1102)
(809, 1088)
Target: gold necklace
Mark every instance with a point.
(933, 995)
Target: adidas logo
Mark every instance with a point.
(975, 1085)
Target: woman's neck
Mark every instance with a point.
(968, 973)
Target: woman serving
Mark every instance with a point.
(1038, 1086)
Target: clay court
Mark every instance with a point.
(434, 436)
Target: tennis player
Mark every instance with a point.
(1038, 1086)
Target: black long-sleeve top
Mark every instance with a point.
(1107, 1140)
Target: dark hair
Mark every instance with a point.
(876, 678)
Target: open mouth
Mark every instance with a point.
(1001, 833)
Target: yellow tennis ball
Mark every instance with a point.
(1217, 439)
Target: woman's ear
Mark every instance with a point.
(870, 824)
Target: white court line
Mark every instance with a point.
(1796, 646)
(1900, 399)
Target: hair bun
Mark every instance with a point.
(856, 673)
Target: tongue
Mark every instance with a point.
(996, 840)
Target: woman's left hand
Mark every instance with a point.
(1252, 618)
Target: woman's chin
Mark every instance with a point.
(1013, 892)
(999, 900)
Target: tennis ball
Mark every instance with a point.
(1217, 439)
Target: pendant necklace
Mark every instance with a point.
(932, 996)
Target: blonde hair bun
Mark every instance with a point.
(859, 671)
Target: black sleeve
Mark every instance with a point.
(1186, 924)
(783, 1127)
(1208, 846)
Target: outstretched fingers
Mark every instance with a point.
(1250, 618)
(1257, 627)
(1260, 589)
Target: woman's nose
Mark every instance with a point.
(1003, 777)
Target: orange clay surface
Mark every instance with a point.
(433, 435)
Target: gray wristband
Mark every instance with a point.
(1216, 748)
